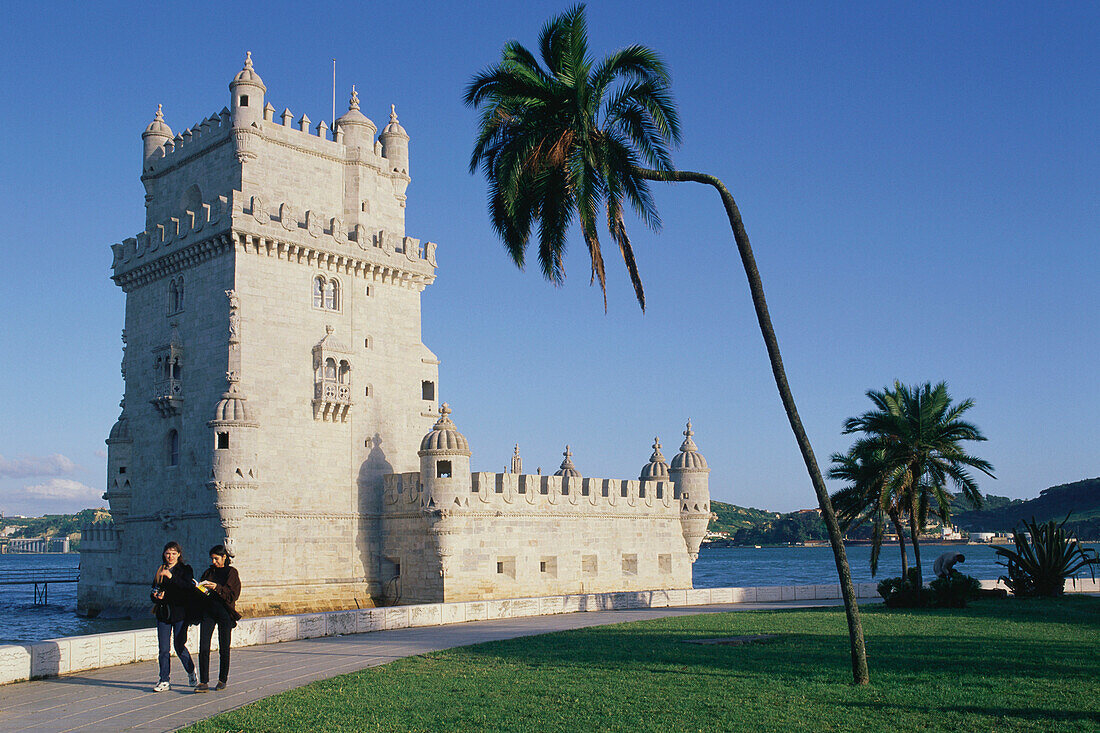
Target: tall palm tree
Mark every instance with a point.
(920, 433)
(868, 497)
(568, 141)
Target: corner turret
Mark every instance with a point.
(154, 138)
(246, 93)
(395, 144)
(356, 128)
(691, 482)
(445, 464)
(656, 469)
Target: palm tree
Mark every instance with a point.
(868, 497)
(569, 141)
(920, 434)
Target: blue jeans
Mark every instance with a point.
(166, 632)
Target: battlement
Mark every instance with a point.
(171, 234)
(193, 141)
(538, 494)
(98, 538)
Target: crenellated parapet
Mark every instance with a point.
(535, 494)
(101, 537)
(192, 142)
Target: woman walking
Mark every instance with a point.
(223, 584)
(173, 593)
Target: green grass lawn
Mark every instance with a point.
(1008, 665)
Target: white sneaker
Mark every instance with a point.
(162, 687)
(192, 679)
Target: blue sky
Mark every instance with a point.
(919, 183)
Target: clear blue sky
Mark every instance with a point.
(920, 184)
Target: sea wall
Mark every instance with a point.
(55, 657)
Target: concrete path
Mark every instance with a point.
(120, 698)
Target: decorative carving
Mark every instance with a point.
(361, 237)
(412, 248)
(313, 224)
(258, 212)
(166, 518)
(429, 253)
(339, 233)
(287, 218)
(234, 315)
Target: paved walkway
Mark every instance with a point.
(120, 698)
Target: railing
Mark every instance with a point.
(40, 579)
(167, 388)
(330, 391)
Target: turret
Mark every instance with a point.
(356, 129)
(395, 144)
(656, 469)
(119, 452)
(246, 93)
(154, 138)
(691, 483)
(445, 464)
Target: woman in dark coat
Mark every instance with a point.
(224, 586)
(173, 597)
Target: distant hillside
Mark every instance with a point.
(1080, 499)
(730, 517)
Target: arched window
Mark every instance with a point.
(330, 369)
(345, 373)
(177, 369)
(318, 292)
(332, 295)
(173, 297)
(173, 448)
(179, 294)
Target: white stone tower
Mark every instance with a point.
(690, 477)
(273, 365)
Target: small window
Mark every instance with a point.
(589, 564)
(122, 469)
(173, 445)
(506, 566)
(366, 391)
(244, 100)
(366, 291)
(630, 564)
(318, 292)
(367, 343)
(330, 369)
(332, 295)
(223, 441)
(443, 469)
(345, 372)
(427, 390)
(664, 564)
(549, 566)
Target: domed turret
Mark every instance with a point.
(689, 474)
(445, 463)
(656, 469)
(120, 445)
(357, 128)
(235, 460)
(247, 95)
(567, 467)
(154, 137)
(395, 144)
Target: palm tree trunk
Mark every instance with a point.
(901, 543)
(860, 674)
(914, 532)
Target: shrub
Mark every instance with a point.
(1045, 555)
(954, 590)
(904, 592)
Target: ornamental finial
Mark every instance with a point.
(354, 103)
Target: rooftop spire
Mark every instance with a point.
(354, 102)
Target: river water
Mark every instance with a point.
(21, 621)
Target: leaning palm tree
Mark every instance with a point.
(920, 433)
(575, 140)
(868, 497)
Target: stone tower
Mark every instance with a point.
(691, 481)
(273, 363)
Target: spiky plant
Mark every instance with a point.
(1045, 555)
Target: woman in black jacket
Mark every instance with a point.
(223, 585)
(173, 595)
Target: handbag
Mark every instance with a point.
(163, 612)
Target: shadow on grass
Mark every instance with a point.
(999, 643)
(1028, 713)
